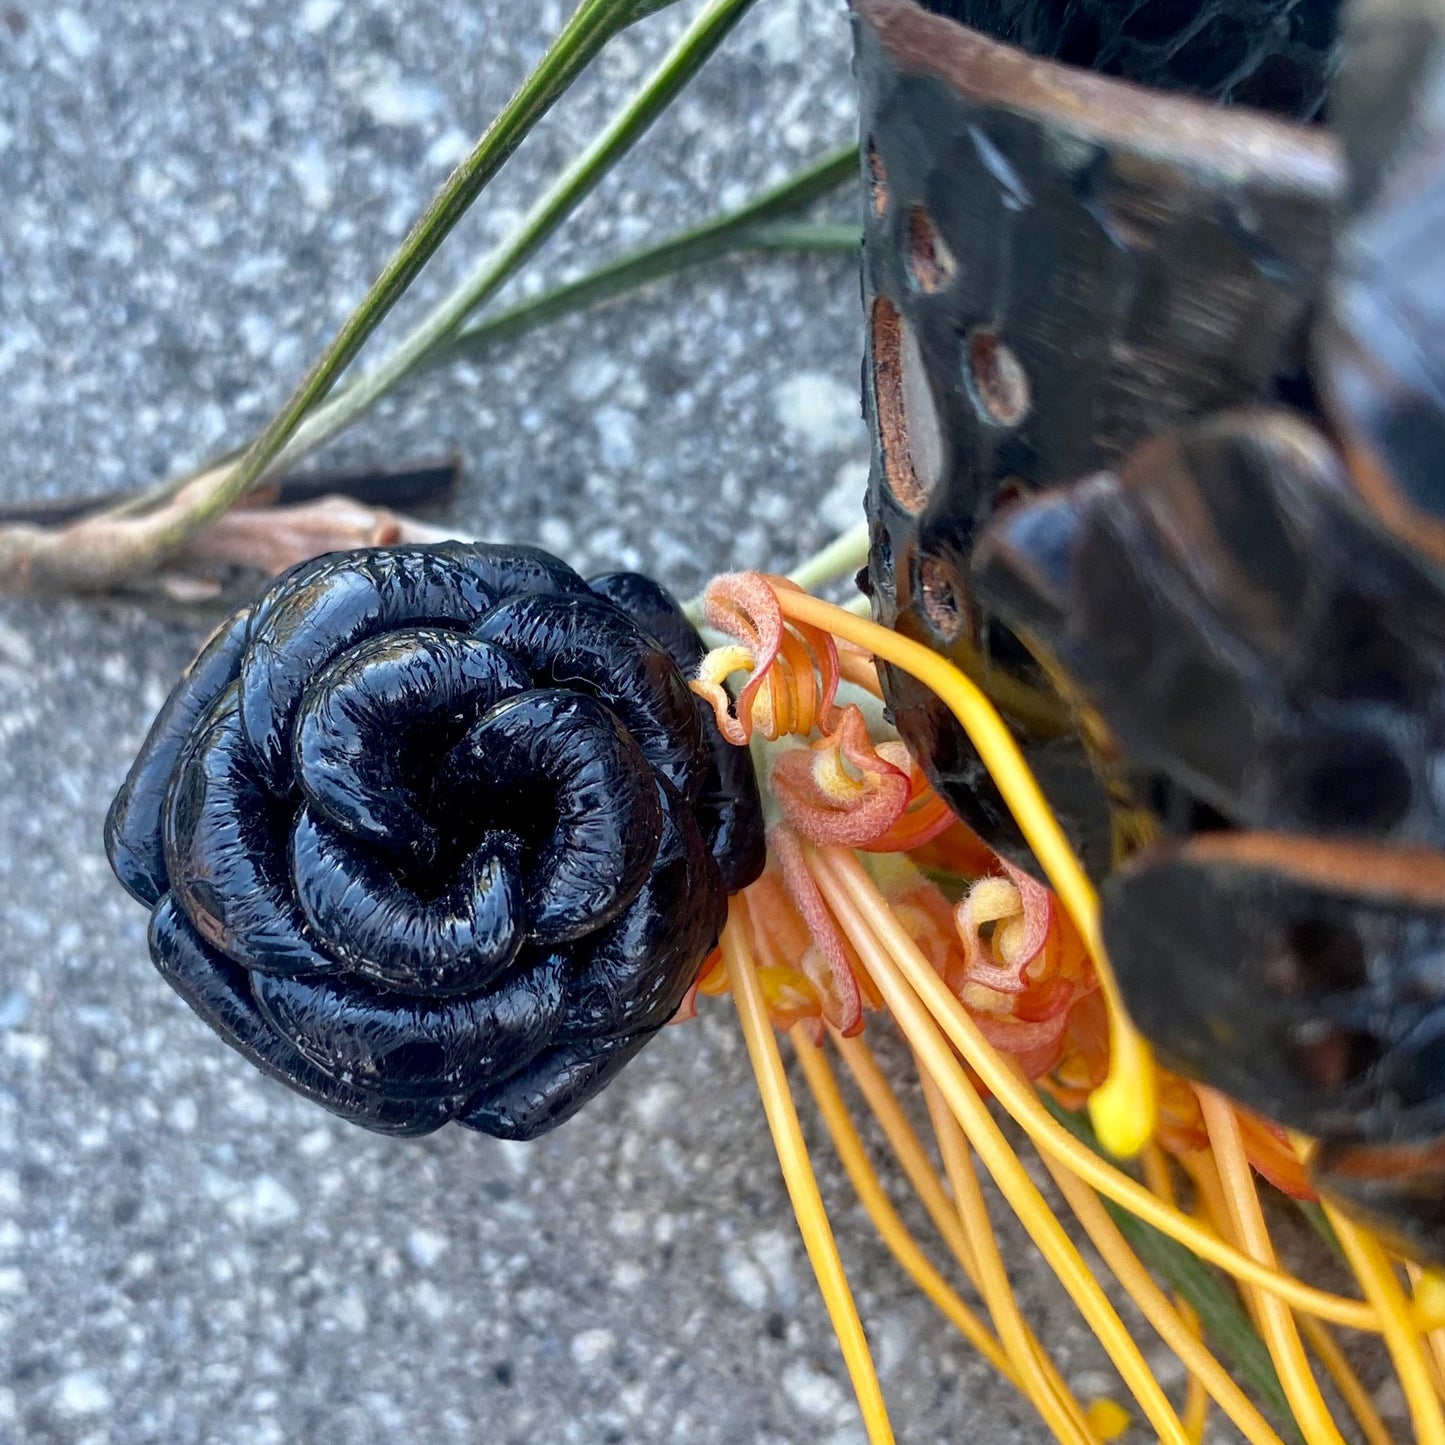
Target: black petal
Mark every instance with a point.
(456, 941)
(133, 826)
(371, 723)
(226, 852)
(219, 991)
(564, 756)
(408, 1048)
(584, 642)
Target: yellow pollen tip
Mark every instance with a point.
(1430, 1300)
(722, 662)
(832, 776)
(1124, 1107)
(1108, 1419)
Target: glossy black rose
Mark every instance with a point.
(439, 833)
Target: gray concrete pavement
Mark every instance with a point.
(191, 198)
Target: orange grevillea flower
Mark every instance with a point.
(843, 788)
(794, 668)
(1024, 966)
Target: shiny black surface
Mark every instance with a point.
(428, 834)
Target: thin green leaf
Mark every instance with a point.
(750, 227)
(692, 50)
(1224, 1320)
(594, 23)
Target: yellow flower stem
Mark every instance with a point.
(993, 1149)
(917, 1167)
(1123, 1108)
(908, 1149)
(798, 1174)
(1347, 1382)
(1154, 1305)
(1054, 1401)
(891, 1228)
(1160, 1179)
(1196, 1395)
(1402, 1337)
(1423, 1283)
(862, 909)
(1276, 1323)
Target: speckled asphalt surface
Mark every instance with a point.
(194, 196)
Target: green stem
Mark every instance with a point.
(840, 558)
(692, 50)
(593, 24)
(750, 227)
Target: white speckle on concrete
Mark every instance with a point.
(590, 1348)
(266, 1204)
(616, 435)
(819, 411)
(400, 100)
(76, 34)
(657, 1103)
(781, 32)
(316, 15)
(449, 149)
(843, 506)
(778, 1254)
(745, 1278)
(81, 1393)
(313, 175)
(426, 1246)
(811, 1392)
(349, 1311)
(183, 1116)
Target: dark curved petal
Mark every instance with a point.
(227, 842)
(220, 993)
(551, 1090)
(1300, 976)
(513, 570)
(565, 757)
(585, 642)
(654, 609)
(373, 725)
(410, 1048)
(1243, 631)
(134, 841)
(455, 942)
(728, 806)
(634, 973)
(315, 612)
(1398, 1187)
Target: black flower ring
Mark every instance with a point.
(438, 833)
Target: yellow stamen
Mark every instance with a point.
(1123, 1108)
(1430, 1299)
(864, 914)
(1054, 1401)
(1172, 1327)
(1347, 1382)
(798, 1175)
(890, 1227)
(908, 1149)
(1013, 1180)
(1402, 1338)
(1109, 1418)
(1276, 1324)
